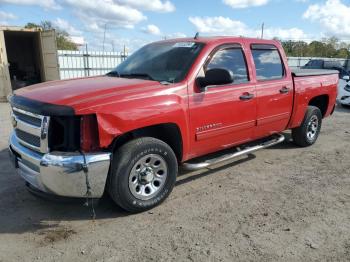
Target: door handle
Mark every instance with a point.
(284, 90)
(246, 96)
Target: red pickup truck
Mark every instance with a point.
(169, 103)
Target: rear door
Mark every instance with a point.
(274, 90)
(5, 82)
(49, 55)
(223, 115)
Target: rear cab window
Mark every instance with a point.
(231, 58)
(268, 62)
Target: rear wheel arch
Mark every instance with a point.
(321, 102)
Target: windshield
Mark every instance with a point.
(162, 61)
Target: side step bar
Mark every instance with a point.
(279, 138)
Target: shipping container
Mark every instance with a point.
(27, 56)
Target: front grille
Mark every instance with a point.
(28, 119)
(31, 129)
(28, 138)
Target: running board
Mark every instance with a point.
(279, 138)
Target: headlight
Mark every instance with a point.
(64, 133)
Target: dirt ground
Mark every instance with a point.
(280, 204)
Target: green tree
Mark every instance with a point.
(62, 37)
(342, 53)
(288, 47)
(330, 47)
(316, 49)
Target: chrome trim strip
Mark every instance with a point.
(27, 113)
(44, 143)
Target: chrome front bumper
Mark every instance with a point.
(60, 173)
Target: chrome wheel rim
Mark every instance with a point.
(147, 177)
(312, 128)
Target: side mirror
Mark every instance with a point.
(346, 78)
(215, 76)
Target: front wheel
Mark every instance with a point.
(308, 132)
(143, 174)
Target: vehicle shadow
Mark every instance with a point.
(21, 211)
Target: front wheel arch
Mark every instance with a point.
(169, 133)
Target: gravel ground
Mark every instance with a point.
(280, 204)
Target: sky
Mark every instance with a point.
(133, 23)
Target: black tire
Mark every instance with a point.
(124, 160)
(300, 134)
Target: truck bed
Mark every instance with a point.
(312, 72)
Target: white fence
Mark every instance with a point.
(74, 64)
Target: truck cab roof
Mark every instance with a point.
(223, 40)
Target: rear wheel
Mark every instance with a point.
(143, 174)
(308, 132)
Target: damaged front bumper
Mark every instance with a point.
(60, 173)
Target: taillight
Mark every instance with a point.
(89, 140)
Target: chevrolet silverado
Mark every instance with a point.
(166, 105)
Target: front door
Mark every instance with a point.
(274, 91)
(223, 116)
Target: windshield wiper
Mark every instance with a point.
(113, 73)
(136, 75)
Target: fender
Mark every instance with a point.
(120, 117)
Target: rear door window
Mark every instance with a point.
(268, 63)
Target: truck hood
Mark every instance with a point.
(79, 92)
